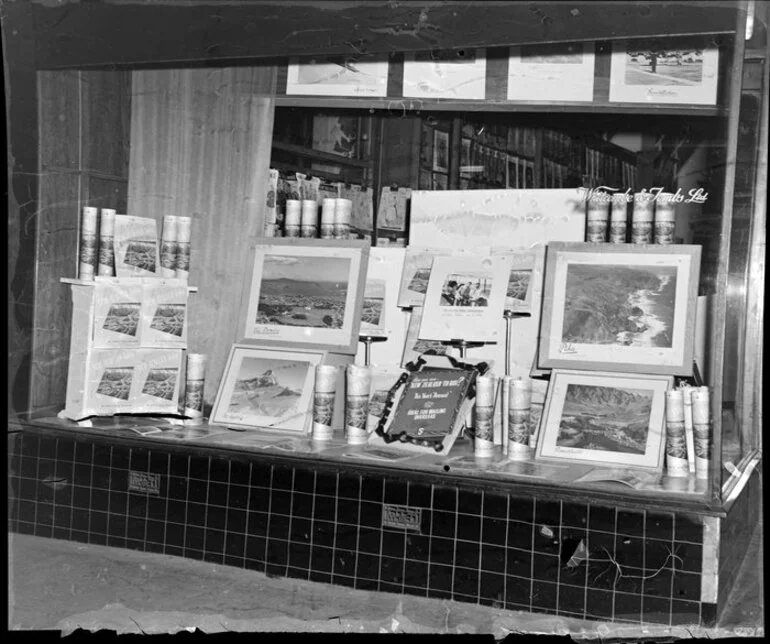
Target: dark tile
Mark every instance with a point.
(465, 582)
(445, 498)
(297, 573)
(417, 547)
(546, 567)
(599, 603)
(278, 527)
(277, 552)
(346, 538)
(492, 586)
(543, 594)
(468, 527)
(708, 614)
(155, 531)
(62, 518)
(419, 495)
(120, 457)
(687, 529)
(113, 542)
(139, 461)
(601, 574)
(65, 449)
(656, 610)
(301, 505)
(390, 587)
(63, 469)
(261, 474)
(520, 535)
(631, 523)
(219, 470)
(495, 506)
(467, 554)
(254, 564)
(100, 477)
(304, 481)
(135, 528)
(28, 467)
(173, 551)
(657, 554)
(349, 486)
(102, 454)
(369, 540)
(299, 556)
(216, 517)
(393, 543)
(81, 475)
(686, 586)
(601, 518)
(629, 551)
(283, 478)
(26, 511)
(574, 515)
(321, 559)
(344, 563)
(257, 523)
(659, 525)
(156, 507)
(571, 599)
(84, 452)
(347, 511)
(256, 547)
(97, 523)
(371, 514)
(176, 512)
(687, 556)
(493, 531)
(119, 481)
(392, 570)
(116, 525)
(236, 521)
(326, 483)
(371, 488)
(443, 524)
(47, 448)
(28, 491)
(31, 442)
(196, 514)
(259, 499)
(395, 492)
(493, 558)
(442, 551)
(323, 533)
(440, 578)
(238, 497)
(175, 534)
(280, 501)
(469, 502)
(300, 530)
(217, 494)
(435, 593)
(518, 562)
(628, 606)
(99, 539)
(46, 530)
(275, 569)
(416, 574)
(360, 583)
(657, 583)
(194, 538)
(25, 527)
(547, 512)
(99, 500)
(199, 468)
(239, 473)
(159, 463)
(320, 577)
(197, 490)
(631, 580)
(192, 554)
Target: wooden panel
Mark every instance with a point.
(200, 147)
(106, 118)
(56, 257)
(59, 94)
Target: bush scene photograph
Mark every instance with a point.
(267, 387)
(303, 291)
(608, 419)
(620, 305)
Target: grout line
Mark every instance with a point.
(532, 553)
(291, 516)
(246, 530)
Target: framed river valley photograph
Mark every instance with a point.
(619, 307)
(604, 418)
(307, 293)
(267, 389)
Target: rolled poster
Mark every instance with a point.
(597, 218)
(641, 220)
(88, 244)
(519, 400)
(106, 265)
(183, 235)
(359, 384)
(309, 221)
(688, 434)
(293, 218)
(327, 218)
(506, 406)
(323, 401)
(168, 249)
(484, 440)
(618, 219)
(342, 214)
(665, 218)
(676, 443)
(701, 426)
(193, 390)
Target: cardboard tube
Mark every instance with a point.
(519, 400)
(483, 443)
(87, 251)
(193, 391)
(676, 443)
(323, 401)
(359, 384)
(642, 218)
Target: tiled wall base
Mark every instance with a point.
(364, 531)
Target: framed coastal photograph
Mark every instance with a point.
(466, 298)
(307, 293)
(551, 72)
(664, 70)
(440, 151)
(619, 307)
(267, 389)
(604, 418)
(454, 73)
(338, 76)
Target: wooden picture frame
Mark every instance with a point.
(306, 293)
(604, 419)
(269, 389)
(619, 307)
(440, 151)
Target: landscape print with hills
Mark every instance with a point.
(267, 387)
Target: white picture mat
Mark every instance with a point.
(298, 420)
(441, 321)
(383, 279)
(107, 300)
(456, 78)
(547, 78)
(327, 78)
(550, 423)
(475, 219)
(416, 260)
(531, 261)
(653, 357)
(680, 90)
(168, 361)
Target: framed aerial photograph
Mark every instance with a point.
(455, 73)
(604, 418)
(414, 277)
(551, 72)
(526, 277)
(381, 316)
(338, 76)
(267, 389)
(664, 70)
(619, 307)
(307, 293)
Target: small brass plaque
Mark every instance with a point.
(401, 516)
(145, 482)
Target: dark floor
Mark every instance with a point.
(64, 586)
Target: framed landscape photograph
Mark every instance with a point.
(664, 70)
(445, 74)
(307, 293)
(338, 76)
(551, 72)
(620, 307)
(267, 389)
(604, 418)
(381, 316)
(526, 277)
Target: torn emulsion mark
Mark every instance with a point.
(573, 552)
(54, 482)
(422, 30)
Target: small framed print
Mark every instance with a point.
(440, 151)
(664, 70)
(619, 307)
(456, 74)
(267, 388)
(525, 279)
(551, 72)
(414, 277)
(604, 418)
(338, 76)
(381, 316)
(307, 293)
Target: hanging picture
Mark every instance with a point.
(551, 72)
(440, 151)
(465, 298)
(267, 389)
(338, 76)
(603, 418)
(664, 70)
(456, 74)
(307, 293)
(619, 307)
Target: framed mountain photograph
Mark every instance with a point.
(619, 307)
(307, 293)
(267, 389)
(604, 418)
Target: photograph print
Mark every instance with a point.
(551, 71)
(374, 300)
(467, 289)
(604, 418)
(338, 76)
